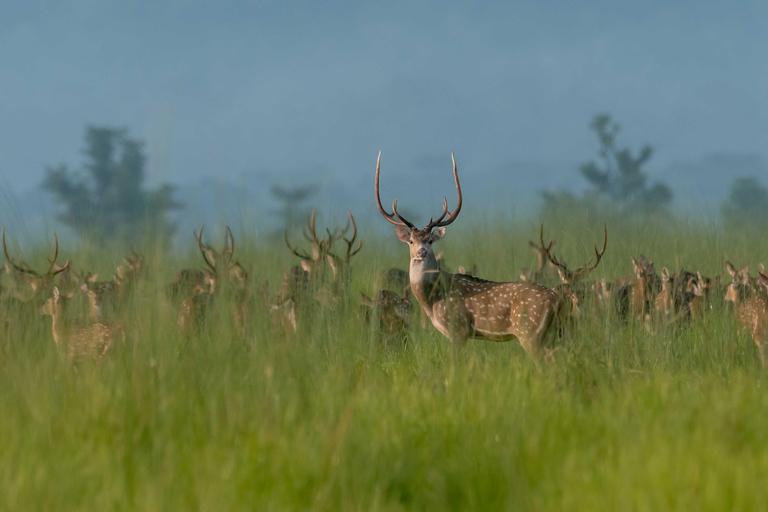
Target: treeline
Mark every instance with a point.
(107, 197)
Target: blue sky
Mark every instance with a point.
(222, 89)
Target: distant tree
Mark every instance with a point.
(619, 176)
(292, 210)
(617, 179)
(747, 203)
(106, 198)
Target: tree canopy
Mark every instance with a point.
(106, 198)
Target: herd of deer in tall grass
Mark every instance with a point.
(460, 305)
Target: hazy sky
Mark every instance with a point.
(225, 88)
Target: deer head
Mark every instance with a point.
(221, 265)
(313, 261)
(567, 276)
(740, 286)
(130, 269)
(420, 240)
(37, 282)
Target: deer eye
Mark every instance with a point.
(430, 242)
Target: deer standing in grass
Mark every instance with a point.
(571, 289)
(463, 307)
(699, 287)
(391, 312)
(223, 273)
(751, 306)
(114, 292)
(94, 340)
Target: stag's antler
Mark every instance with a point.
(293, 250)
(26, 269)
(394, 216)
(568, 276)
(204, 249)
(451, 215)
(351, 241)
(398, 220)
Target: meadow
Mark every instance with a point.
(330, 419)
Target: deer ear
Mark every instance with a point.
(461, 269)
(730, 268)
(438, 234)
(403, 233)
(305, 266)
(665, 274)
(56, 293)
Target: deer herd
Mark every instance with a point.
(543, 304)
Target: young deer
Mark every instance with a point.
(645, 288)
(463, 307)
(740, 287)
(115, 290)
(699, 287)
(393, 313)
(94, 340)
(753, 316)
(665, 303)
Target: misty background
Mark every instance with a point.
(233, 99)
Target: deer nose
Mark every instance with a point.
(422, 253)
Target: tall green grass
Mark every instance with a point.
(329, 419)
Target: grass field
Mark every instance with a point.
(621, 419)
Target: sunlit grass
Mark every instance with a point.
(330, 420)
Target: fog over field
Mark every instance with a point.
(244, 94)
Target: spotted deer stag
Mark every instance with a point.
(463, 307)
(32, 283)
(223, 273)
(571, 289)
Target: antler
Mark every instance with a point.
(27, 270)
(569, 277)
(294, 251)
(351, 242)
(391, 217)
(451, 215)
(231, 245)
(203, 248)
(586, 269)
(310, 228)
(55, 256)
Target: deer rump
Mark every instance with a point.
(481, 309)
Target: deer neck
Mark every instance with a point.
(425, 276)
(57, 326)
